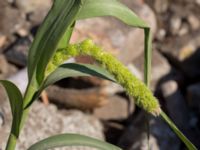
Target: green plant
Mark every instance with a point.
(51, 47)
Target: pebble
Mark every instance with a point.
(4, 67)
(135, 135)
(17, 53)
(117, 108)
(175, 24)
(193, 96)
(161, 6)
(184, 29)
(2, 41)
(194, 22)
(175, 104)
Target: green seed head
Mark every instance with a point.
(133, 86)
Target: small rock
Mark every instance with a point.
(166, 138)
(85, 99)
(3, 65)
(198, 2)
(184, 53)
(11, 19)
(17, 53)
(2, 41)
(116, 108)
(32, 5)
(193, 96)
(36, 9)
(183, 30)
(175, 24)
(175, 104)
(135, 136)
(161, 137)
(161, 34)
(191, 64)
(161, 6)
(194, 22)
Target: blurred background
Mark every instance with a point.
(99, 108)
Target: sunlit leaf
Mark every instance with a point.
(72, 140)
(59, 19)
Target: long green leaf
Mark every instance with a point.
(72, 140)
(74, 70)
(16, 103)
(58, 21)
(99, 8)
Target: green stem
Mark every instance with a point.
(30, 91)
(189, 144)
(11, 142)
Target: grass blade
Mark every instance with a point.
(16, 103)
(187, 142)
(58, 21)
(74, 70)
(112, 8)
(72, 140)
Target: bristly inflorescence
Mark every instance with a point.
(133, 86)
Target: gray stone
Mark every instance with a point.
(184, 54)
(175, 104)
(193, 96)
(84, 99)
(11, 19)
(45, 121)
(117, 108)
(18, 52)
(193, 21)
(6, 69)
(175, 24)
(36, 9)
(161, 137)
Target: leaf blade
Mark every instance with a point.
(16, 103)
(184, 139)
(74, 70)
(72, 140)
(112, 8)
(60, 18)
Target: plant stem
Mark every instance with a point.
(30, 91)
(188, 144)
(11, 142)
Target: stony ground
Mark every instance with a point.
(98, 108)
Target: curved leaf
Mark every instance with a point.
(72, 140)
(75, 70)
(98, 8)
(58, 21)
(16, 103)
(113, 8)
